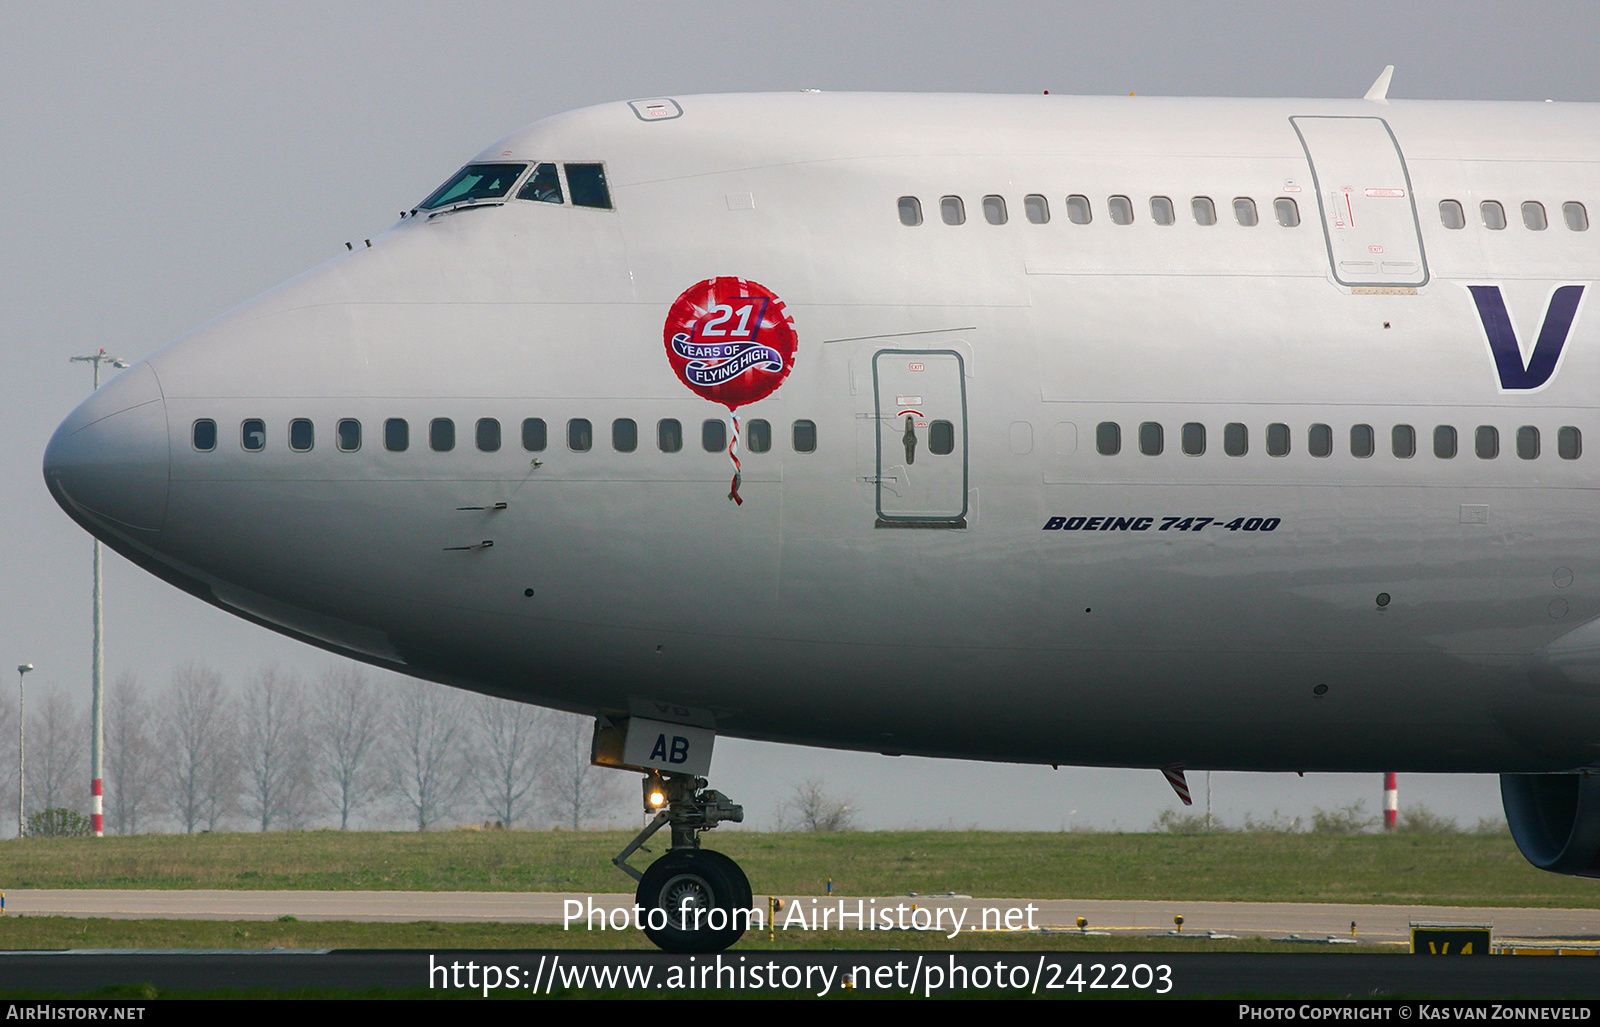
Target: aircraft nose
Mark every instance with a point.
(108, 461)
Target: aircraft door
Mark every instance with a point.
(1369, 215)
(922, 438)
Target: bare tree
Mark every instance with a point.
(510, 745)
(197, 739)
(813, 808)
(274, 751)
(348, 717)
(58, 738)
(577, 789)
(426, 756)
(131, 757)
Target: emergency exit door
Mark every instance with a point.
(922, 438)
(1369, 215)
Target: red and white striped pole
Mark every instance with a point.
(1391, 802)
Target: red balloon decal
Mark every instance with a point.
(731, 341)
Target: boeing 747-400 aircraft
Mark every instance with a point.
(1165, 433)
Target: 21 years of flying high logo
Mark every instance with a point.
(731, 341)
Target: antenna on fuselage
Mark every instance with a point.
(1379, 93)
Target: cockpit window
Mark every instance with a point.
(475, 182)
(588, 185)
(542, 185)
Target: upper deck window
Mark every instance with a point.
(1121, 209)
(543, 186)
(475, 182)
(910, 211)
(1078, 209)
(1494, 215)
(1244, 211)
(588, 185)
(1205, 212)
(1451, 215)
(1161, 210)
(1534, 218)
(952, 211)
(1576, 216)
(994, 210)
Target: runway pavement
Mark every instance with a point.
(1263, 919)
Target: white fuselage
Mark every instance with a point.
(1444, 601)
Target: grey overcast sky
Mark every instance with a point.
(166, 161)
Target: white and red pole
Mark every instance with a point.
(1391, 802)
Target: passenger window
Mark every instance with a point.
(543, 185)
(441, 435)
(347, 435)
(1194, 439)
(1286, 211)
(253, 435)
(1486, 441)
(714, 436)
(301, 435)
(1037, 208)
(1235, 439)
(1528, 442)
(1362, 441)
(1569, 443)
(588, 185)
(1244, 211)
(952, 210)
(669, 435)
(1403, 441)
(941, 438)
(910, 211)
(1161, 210)
(580, 435)
(1205, 212)
(805, 436)
(1319, 440)
(1121, 210)
(1576, 216)
(487, 434)
(1533, 216)
(1494, 215)
(1078, 209)
(994, 210)
(1108, 438)
(1277, 440)
(1151, 440)
(204, 435)
(758, 436)
(534, 434)
(396, 435)
(1451, 215)
(624, 435)
(1444, 442)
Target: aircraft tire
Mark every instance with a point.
(707, 881)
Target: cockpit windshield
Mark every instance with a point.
(475, 182)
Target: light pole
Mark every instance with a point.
(97, 684)
(22, 765)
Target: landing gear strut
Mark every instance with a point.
(692, 899)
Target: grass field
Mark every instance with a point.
(1445, 869)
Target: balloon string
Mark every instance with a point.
(733, 454)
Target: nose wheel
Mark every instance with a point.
(691, 899)
(703, 897)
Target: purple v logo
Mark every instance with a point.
(1541, 364)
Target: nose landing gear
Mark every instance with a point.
(691, 899)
